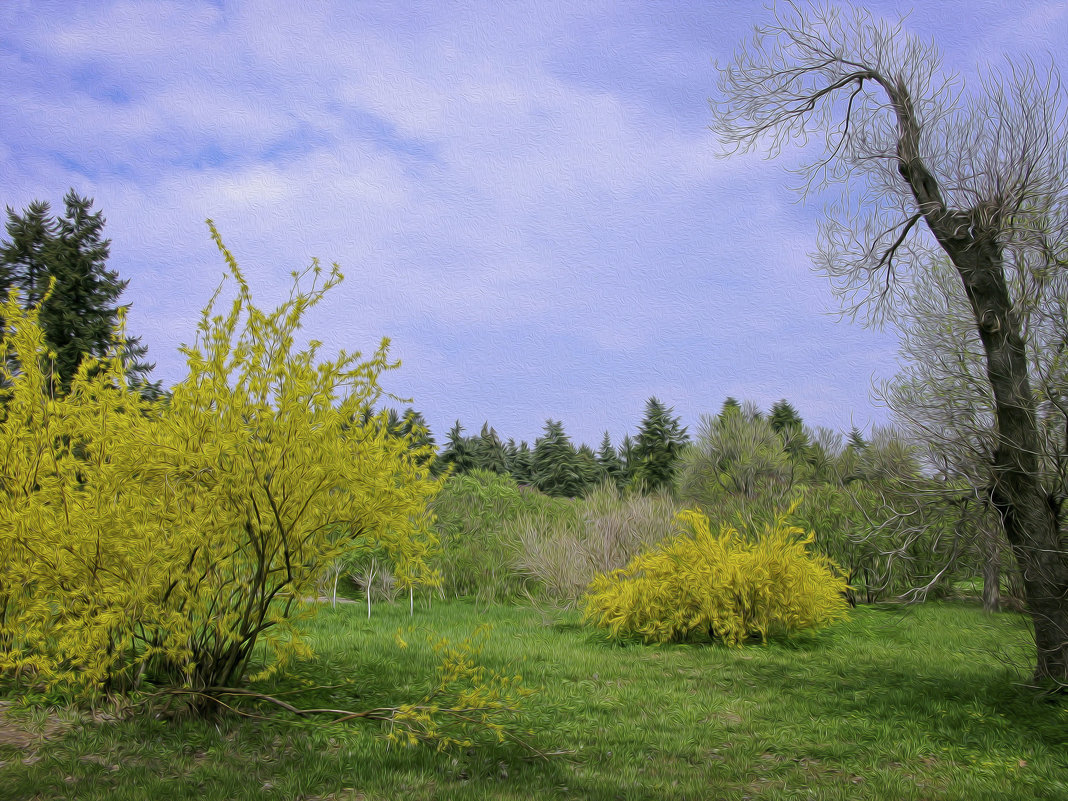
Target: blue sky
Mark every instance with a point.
(523, 196)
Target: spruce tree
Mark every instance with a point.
(458, 453)
(730, 406)
(660, 442)
(787, 423)
(628, 459)
(414, 427)
(609, 462)
(521, 463)
(80, 315)
(589, 470)
(556, 464)
(489, 452)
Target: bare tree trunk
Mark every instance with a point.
(991, 553)
(1028, 513)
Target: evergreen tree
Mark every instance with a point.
(458, 453)
(588, 469)
(660, 442)
(556, 464)
(521, 463)
(628, 459)
(415, 428)
(787, 423)
(730, 406)
(393, 423)
(80, 315)
(609, 462)
(783, 416)
(856, 440)
(489, 452)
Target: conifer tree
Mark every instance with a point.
(489, 451)
(414, 428)
(81, 314)
(521, 463)
(730, 406)
(556, 463)
(787, 423)
(856, 440)
(660, 442)
(628, 459)
(589, 471)
(609, 462)
(458, 453)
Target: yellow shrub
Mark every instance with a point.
(721, 586)
(180, 538)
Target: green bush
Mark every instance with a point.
(728, 587)
(479, 549)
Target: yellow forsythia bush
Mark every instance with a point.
(178, 542)
(722, 586)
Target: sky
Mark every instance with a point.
(526, 198)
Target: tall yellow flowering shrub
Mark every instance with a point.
(69, 585)
(723, 586)
(199, 529)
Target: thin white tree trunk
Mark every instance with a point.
(370, 578)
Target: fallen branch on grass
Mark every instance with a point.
(417, 722)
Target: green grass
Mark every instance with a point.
(920, 705)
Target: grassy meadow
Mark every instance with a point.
(920, 702)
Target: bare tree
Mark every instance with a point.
(942, 394)
(926, 167)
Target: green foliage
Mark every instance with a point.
(79, 316)
(557, 468)
(520, 461)
(459, 453)
(473, 512)
(727, 587)
(195, 530)
(738, 454)
(610, 463)
(628, 457)
(489, 451)
(660, 442)
(787, 423)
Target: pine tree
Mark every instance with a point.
(609, 462)
(787, 423)
(79, 317)
(458, 453)
(489, 452)
(589, 470)
(414, 427)
(660, 442)
(856, 440)
(556, 464)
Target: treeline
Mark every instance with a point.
(556, 467)
(895, 526)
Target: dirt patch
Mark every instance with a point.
(26, 732)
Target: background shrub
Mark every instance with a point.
(563, 552)
(729, 587)
(479, 549)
